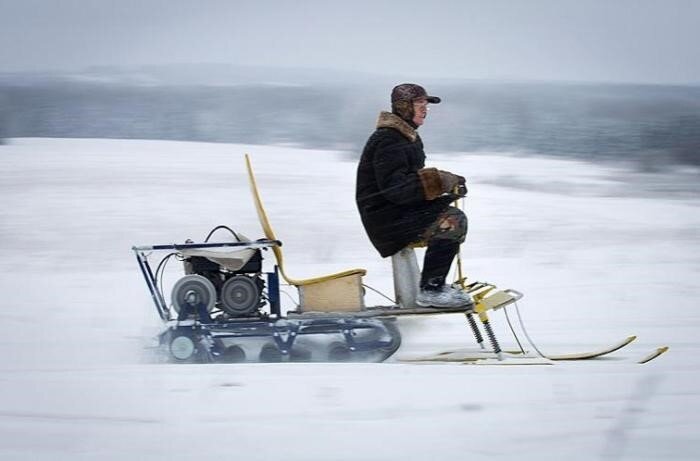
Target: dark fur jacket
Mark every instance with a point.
(397, 197)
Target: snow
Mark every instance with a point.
(600, 252)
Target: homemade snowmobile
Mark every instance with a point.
(227, 308)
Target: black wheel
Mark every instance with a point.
(300, 354)
(270, 353)
(182, 348)
(339, 352)
(233, 354)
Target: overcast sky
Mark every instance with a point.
(577, 40)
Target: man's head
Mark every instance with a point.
(410, 102)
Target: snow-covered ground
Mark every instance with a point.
(600, 253)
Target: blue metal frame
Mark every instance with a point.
(273, 292)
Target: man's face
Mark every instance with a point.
(420, 111)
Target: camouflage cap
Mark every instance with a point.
(411, 92)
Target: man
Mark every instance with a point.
(403, 202)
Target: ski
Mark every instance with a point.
(593, 354)
(467, 355)
(653, 355)
(521, 360)
(481, 357)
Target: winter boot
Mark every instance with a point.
(436, 294)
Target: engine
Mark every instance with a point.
(209, 285)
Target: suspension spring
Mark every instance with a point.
(492, 337)
(475, 329)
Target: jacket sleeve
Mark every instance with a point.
(398, 181)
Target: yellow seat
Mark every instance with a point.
(341, 291)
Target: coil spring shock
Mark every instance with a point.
(475, 330)
(492, 337)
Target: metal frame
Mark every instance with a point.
(207, 336)
(142, 251)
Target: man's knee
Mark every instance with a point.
(452, 225)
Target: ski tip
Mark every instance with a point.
(654, 354)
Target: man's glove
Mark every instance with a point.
(461, 190)
(453, 184)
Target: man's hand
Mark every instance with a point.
(453, 184)
(461, 190)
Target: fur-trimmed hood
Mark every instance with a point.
(389, 120)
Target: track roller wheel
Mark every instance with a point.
(300, 354)
(233, 354)
(182, 348)
(339, 352)
(270, 353)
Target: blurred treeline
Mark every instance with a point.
(650, 124)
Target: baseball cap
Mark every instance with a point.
(411, 92)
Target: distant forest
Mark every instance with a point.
(654, 125)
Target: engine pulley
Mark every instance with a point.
(191, 291)
(240, 295)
